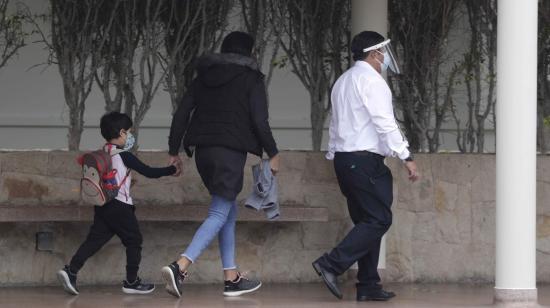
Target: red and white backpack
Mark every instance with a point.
(98, 184)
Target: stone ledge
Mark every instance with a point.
(66, 213)
(523, 298)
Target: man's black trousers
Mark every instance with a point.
(366, 182)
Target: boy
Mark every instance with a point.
(117, 217)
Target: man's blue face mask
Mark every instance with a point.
(386, 63)
(384, 48)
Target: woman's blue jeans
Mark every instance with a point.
(221, 219)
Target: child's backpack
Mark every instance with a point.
(98, 184)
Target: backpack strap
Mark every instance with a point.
(112, 149)
(124, 181)
(125, 177)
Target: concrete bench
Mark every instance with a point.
(67, 213)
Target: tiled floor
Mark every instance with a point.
(278, 295)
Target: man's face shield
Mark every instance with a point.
(390, 61)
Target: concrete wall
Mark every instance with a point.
(443, 226)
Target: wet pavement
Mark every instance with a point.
(270, 295)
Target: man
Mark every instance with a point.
(223, 117)
(363, 131)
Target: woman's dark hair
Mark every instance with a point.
(364, 40)
(239, 43)
(111, 124)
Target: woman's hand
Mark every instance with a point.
(274, 163)
(176, 162)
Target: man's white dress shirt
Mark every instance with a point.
(362, 115)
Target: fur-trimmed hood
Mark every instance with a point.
(217, 69)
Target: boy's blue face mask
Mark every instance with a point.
(130, 141)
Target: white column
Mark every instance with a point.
(516, 151)
(371, 15)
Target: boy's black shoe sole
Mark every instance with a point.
(63, 277)
(136, 290)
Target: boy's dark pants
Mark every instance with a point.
(114, 218)
(366, 182)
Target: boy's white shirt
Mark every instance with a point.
(122, 170)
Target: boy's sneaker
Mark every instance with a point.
(137, 287)
(68, 280)
(173, 278)
(240, 286)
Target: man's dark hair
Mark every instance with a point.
(364, 40)
(111, 124)
(239, 43)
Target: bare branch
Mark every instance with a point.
(194, 27)
(420, 31)
(314, 36)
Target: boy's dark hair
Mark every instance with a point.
(111, 123)
(238, 42)
(364, 40)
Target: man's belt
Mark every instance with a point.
(367, 153)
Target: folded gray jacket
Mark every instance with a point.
(264, 195)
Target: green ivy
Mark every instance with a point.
(547, 121)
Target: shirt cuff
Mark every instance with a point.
(406, 153)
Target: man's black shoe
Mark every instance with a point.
(330, 279)
(375, 295)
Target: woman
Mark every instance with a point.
(223, 117)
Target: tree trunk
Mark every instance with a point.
(543, 111)
(546, 109)
(318, 117)
(76, 126)
(135, 133)
(412, 135)
(541, 138)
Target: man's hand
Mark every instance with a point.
(274, 164)
(176, 161)
(413, 172)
